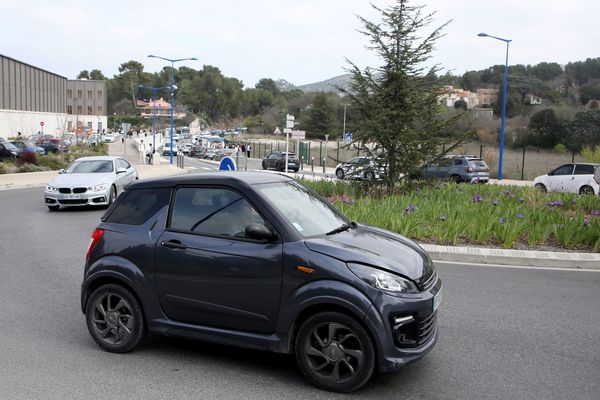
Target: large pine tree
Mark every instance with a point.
(398, 101)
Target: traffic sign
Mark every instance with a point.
(289, 117)
(277, 131)
(42, 123)
(227, 164)
(299, 135)
(348, 137)
(287, 131)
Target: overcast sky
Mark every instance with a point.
(302, 41)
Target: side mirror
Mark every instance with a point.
(60, 171)
(258, 232)
(121, 170)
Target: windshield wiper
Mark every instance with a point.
(342, 228)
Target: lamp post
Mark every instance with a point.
(507, 41)
(172, 61)
(154, 90)
(344, 128)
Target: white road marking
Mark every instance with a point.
(467, 264)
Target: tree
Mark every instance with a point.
(83, 74)
(321, 116)
(589, 92)
(269, 85)
(545, 129)
(398, 102)
(460, 104)
(97, 75)
(584, 130)
(545, 71)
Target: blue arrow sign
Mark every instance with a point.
(348, 137)
(227, 164)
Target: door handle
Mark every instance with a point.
(173, 244)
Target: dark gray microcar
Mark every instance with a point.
(258, 260)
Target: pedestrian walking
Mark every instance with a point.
(248, 149)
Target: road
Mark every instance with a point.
(504, 333)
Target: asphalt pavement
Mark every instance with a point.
(505, 333)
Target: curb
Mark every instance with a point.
(528, 258)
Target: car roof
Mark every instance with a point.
(97, 158)
(232, 178)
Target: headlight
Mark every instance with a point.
(383, 280)
(51, 189)
(98, 188)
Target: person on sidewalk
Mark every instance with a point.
(248, 149)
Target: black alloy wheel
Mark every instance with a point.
(456, 178)
(339, 173)
(335, 352)
(586, 190)
(541, 187)
(264, 165)
(114, 319)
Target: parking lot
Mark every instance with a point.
(505, 333)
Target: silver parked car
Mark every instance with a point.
(89, 181)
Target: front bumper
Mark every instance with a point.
(77, 200)
(402, 343)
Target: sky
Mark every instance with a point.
(301, 41)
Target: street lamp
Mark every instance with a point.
(154, 90)
(344, 128)
(172, 61)
(507, 41)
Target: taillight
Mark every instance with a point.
(469, 169)
(96, 236)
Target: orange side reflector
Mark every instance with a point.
(308, 270)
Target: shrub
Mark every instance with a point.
(52, 162)
(27, 157)
(7, 167)
(592, 155)
(32, 168)
(560, 148)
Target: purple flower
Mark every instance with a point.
(366, 194)
(573, 202)
(502, 220)
(477, 198)
(476, 180)
(495, 202)
(407, 210)
(507, 191)
(556, 203)
(443, 217)
(520, 216)
(586, 221)
(438, 187)
(596, 213)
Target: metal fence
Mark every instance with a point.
(521, 163)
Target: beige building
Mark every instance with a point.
(86, 105)
(487, 96)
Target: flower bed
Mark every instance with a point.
(451, 214)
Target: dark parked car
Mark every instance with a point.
(29, 147)
(276, 160)
(53, 145)
(258, 260)
(8, 151)
(458, 168)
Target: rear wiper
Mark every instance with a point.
(342, 228)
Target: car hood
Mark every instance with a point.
(376, 247)
(71, 180)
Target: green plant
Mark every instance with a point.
(560, 148)
(32, 168)
(592, 155)
(52, 162)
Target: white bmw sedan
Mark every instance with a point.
(89, 181)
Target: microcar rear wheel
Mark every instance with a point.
(541, 187)
(339, 173)
(114, 319)
(335, 352)
(586, 190)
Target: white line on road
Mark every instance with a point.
(467, 264)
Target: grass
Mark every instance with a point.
(451, 214)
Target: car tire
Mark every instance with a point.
(335, 352)
(586, 190)
(339, 173)
(113, 195)
(53, 208)
(115, 319)
(541, 187)
(456, 178)
(369, 176)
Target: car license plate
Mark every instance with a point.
(437, 299)
(72, 196)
